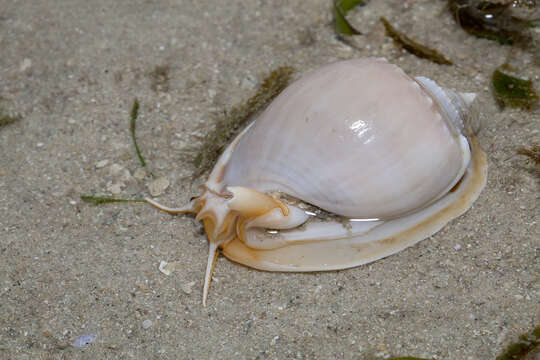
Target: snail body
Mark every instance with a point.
(351, 163)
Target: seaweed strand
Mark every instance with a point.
(237, 117)
(7, 117)
(413, 47)
(341, 8)
(525, 345)
(533, 153)
(98, 200)
(132, 123)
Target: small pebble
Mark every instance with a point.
(115, 189)
(146, 324)
(101, 164)
(169, 268)
(158, 186)
(84, 340)
(139, 174)
(248, 83)
(164, 268)
(25, 64)
(457, 247)
(39, 144)
(187, 288)
(116, 170)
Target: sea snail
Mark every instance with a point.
(353, 162)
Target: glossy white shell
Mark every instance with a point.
(356, 138)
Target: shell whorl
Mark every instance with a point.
(455, 106)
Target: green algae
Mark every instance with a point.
(341, 8)
(512, 91)
(132, 128)
(7, 117)
(99, 200)
(230, 124)
(524, 346)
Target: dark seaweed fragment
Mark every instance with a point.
(132, 127)
(7, 117)
(524, 346)
(98, 200)
(414, 47)
(532, 152)
(490, 20)
(160, 78)
(512, 91)
(238, 116)
(341, 8)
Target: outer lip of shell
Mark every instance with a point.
(379, 241)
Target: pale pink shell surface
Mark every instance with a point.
(357, 138)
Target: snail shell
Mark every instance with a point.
(387, 158)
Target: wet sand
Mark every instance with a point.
(72, 70)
